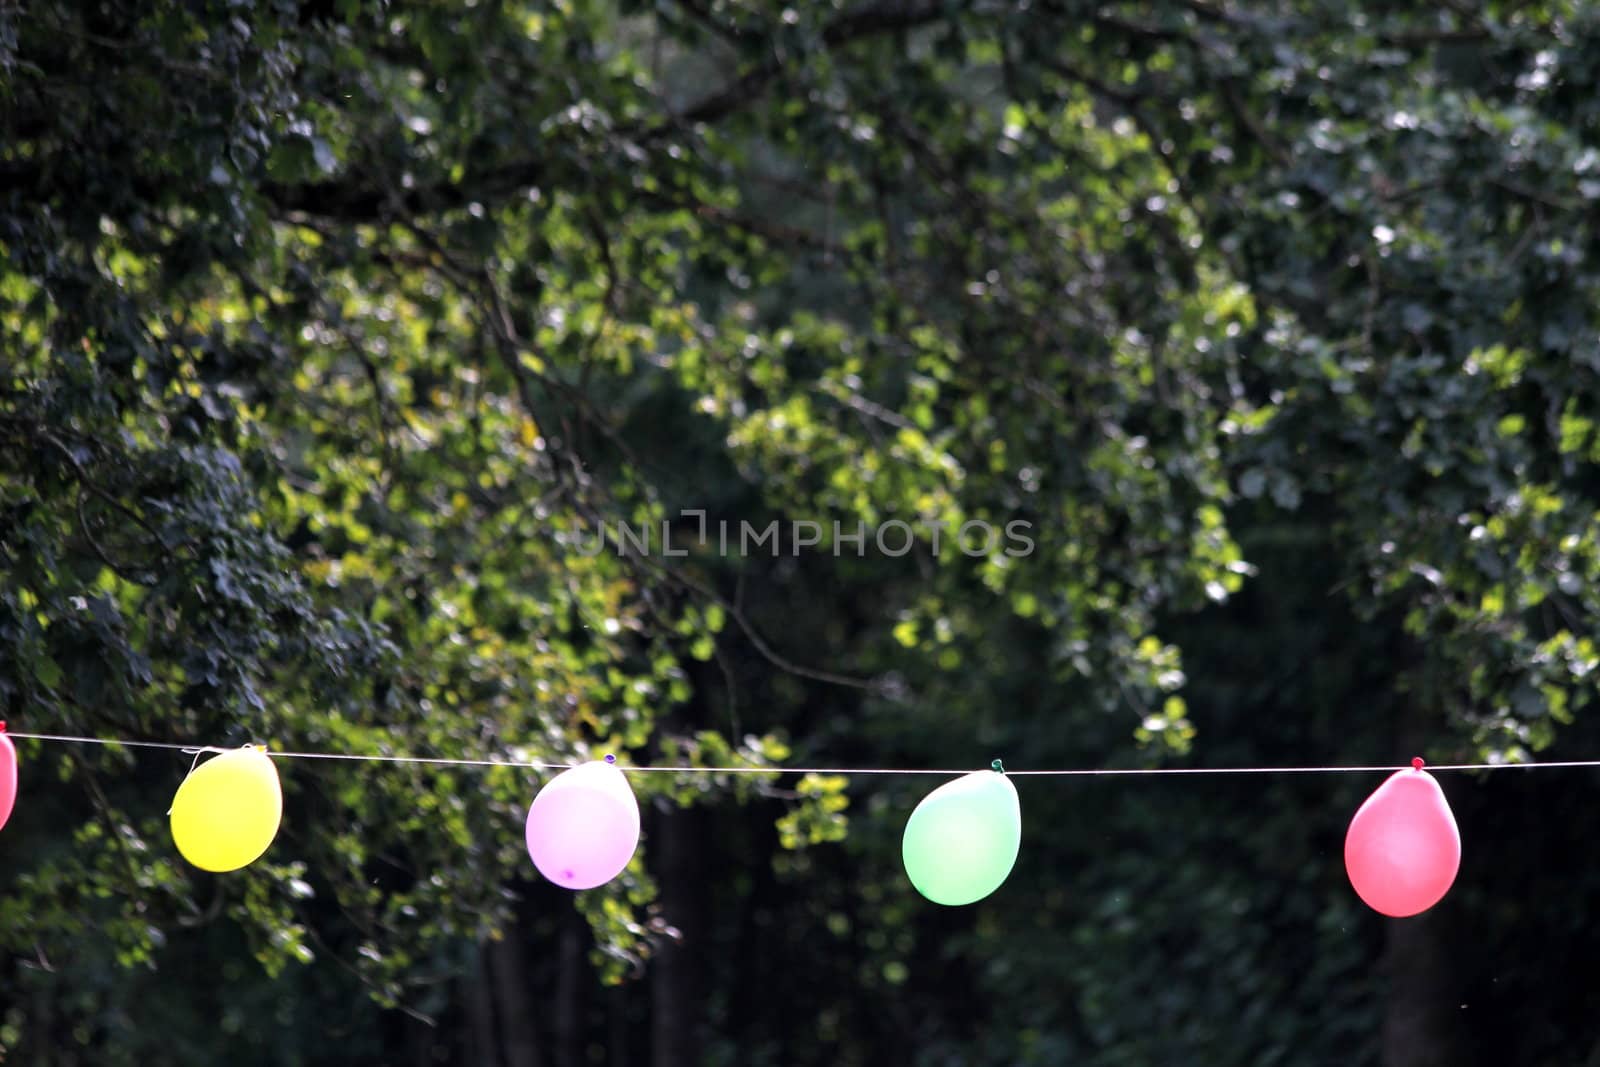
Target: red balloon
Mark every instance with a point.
(1403, 849)
(8, 775)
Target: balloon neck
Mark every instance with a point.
(997, 767)
(2, 726)
(611, 759)
(1416, 763)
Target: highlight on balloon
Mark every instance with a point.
(228, 809)
(8, 776)
(963, 838)
(583, 827)
(1403, 849)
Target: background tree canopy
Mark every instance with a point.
(333, 332)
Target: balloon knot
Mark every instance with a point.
(2, 726)
(997, 767)
(610, 758)
(1416, 763)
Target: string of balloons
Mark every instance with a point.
(1402, 849)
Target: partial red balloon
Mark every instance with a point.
(1403, 849)
(8, 776)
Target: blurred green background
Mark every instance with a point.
(331, 334)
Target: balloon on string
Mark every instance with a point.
(8, 776)
(227, 811)
(1403, 849)
(583, 827)
(962, 840)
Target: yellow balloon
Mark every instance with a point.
(227, 812)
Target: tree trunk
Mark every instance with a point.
(1422, 1017)
(618, 1032)
(1422, 1022)
(481, 1041)
(676, 992)
(422, 1038)
(508, 971)
(572, 976)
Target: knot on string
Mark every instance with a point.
(1416, 763)
(997, 767)
(611, 759)
(197, 753)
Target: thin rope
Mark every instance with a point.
(1089, 772)
(185, 749)
(437, 760)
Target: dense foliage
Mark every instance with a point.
(333, 333)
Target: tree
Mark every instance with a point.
(336, 333)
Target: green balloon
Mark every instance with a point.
(962, 840)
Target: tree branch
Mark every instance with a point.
(369, 201)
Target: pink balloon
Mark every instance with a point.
(8, 775)
(1403, 849)
(584, 826)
